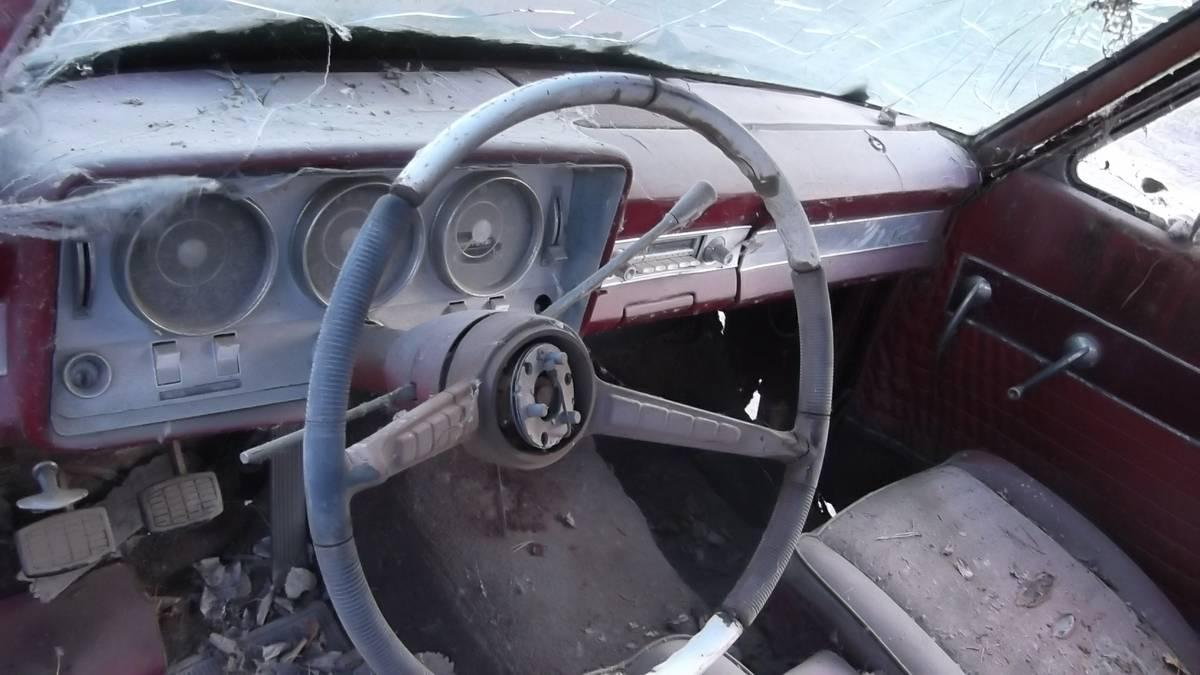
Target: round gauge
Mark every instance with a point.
(200, 267)
(488, 233)
(327, 229)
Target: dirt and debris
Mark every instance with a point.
(223, 644)
(1034, 590)
(1183, 228)
(1064, 626)
(899, 535)
(1152, 185)
(273, 651)
(1118, 658)
(298, 582)
(223, 584)
(438, 664)
(234, 618)
(963, 568)
(264, 608)
(245, 641)
(531, 547)
(1172, 662)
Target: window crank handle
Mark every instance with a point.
(979, 291)
(1081, 351)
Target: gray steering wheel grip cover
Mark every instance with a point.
(325, 469)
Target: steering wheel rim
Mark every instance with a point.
(329, 477)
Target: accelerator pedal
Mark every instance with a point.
(65, 541)
(185, 500)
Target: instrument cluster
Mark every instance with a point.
(213, 304)
(205, 265)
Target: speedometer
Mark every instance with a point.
(488, 233)
(327, 228)
(201, 267)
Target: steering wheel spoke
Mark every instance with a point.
(431, 428)
(626, 413)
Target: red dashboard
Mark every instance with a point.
(879, 193)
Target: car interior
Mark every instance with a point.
(525, 346)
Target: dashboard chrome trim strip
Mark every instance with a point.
(847, 237)
(884, 245)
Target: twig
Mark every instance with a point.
(899, 535)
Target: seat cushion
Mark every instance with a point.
(993, 590)
(1088, 545)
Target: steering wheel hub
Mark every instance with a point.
(536, 387)
(542, 391)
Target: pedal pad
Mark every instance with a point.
(181, 501)
(65, 541)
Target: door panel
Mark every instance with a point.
(1118, 441)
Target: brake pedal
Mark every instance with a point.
(189, 499)
(65, 541)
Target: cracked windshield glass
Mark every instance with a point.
(964, 65)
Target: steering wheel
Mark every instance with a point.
(520, 389)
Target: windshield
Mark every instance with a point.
(964, 64)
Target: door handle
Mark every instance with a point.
(979, 292)
(1081, 351)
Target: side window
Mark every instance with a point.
(1155, 168)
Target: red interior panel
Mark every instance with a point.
(1134, 476)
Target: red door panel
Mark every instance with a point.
(1134, 475)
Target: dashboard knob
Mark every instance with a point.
(717, 252)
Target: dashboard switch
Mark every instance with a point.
(166, 363)
(226, 352)
(717, 252)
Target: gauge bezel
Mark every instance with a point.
(310, 215)
(453, 203)
(265, 281)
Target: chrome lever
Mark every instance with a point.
(1082, 351)
(979, 291)
(690, 206)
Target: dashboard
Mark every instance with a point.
(200, 314)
